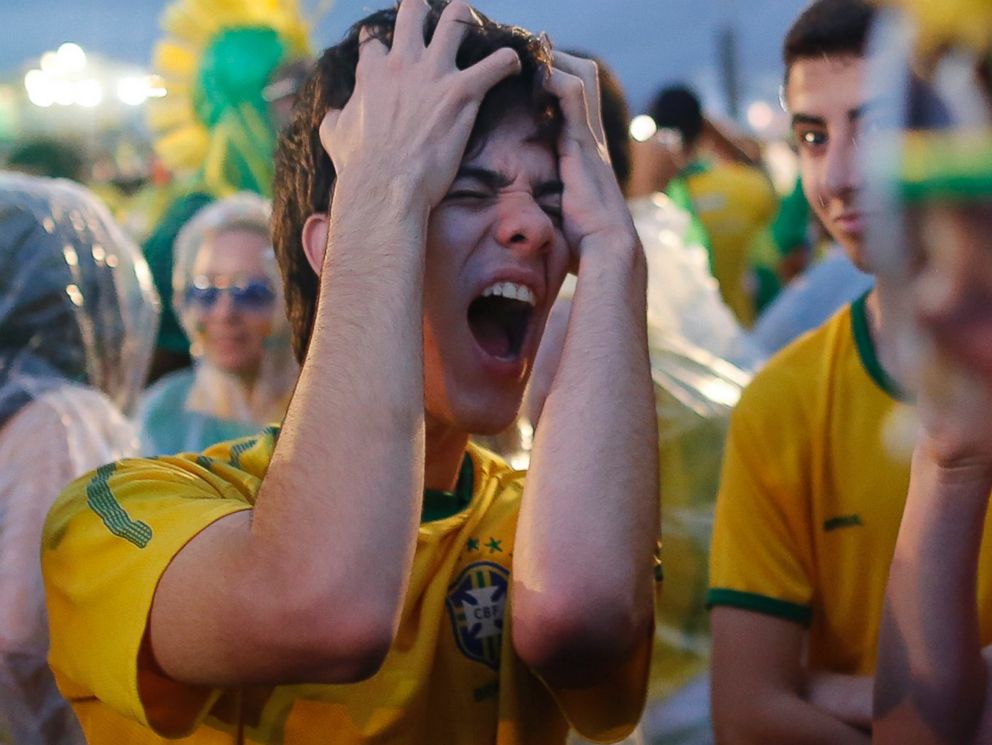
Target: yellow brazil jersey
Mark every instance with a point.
(451, 676)
(735, 203)
(810, 500)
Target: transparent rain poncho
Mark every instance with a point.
(189, 410)
(928, 133)
(78, 315)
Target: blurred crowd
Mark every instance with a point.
(787, 355)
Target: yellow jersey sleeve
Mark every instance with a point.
(760, 553)
(107, 541)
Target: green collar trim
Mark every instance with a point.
(694, 168)
(439, 505)
(866, 350)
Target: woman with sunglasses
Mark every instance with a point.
(228, 297)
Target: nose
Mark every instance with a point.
(842, 172)
(223, 306)
(522, 225)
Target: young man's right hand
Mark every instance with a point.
(412, 109)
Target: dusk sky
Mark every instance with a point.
(648, 42)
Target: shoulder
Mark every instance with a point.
(800, 372)
(748, 184)
(227, 470)
(162, 411)
(167, 395)
(132, 497)
(174, 384)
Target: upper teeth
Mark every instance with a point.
(511, 291)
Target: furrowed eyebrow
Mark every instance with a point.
(484, 176)
(495, 180)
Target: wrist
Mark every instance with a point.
(617, 250)
(962, 472)
(363, 188)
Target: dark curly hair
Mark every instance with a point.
(305, 176)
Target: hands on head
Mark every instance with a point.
(412, 113)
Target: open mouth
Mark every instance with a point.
(500, 318)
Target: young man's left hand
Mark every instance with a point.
(593, 207)
(955, 410)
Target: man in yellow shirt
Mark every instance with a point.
(811, 496)
(734, 200)
(301, 586)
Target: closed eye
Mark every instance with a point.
(467, 194)
(554, 212)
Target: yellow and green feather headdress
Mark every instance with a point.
(217, 57)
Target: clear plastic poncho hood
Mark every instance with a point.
(76, 298)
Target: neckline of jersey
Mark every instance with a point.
(867, 351)
(440, 505)
(694, 168)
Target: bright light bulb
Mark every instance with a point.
(40, 88)
(760, 116)
(64, 92)
(643, 128)
(49, 62)
(88, 93)
(71, 57)
(132, 91)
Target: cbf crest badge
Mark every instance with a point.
(476, 601)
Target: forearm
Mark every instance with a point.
(340, 501)
(763, 695)
(589, 522)
(346, 476)
(782, 719)
(844, 697)
(931, 681)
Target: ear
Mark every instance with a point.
(315, 241)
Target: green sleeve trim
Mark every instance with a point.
(866, 350)
(801, 614)
(100, 498)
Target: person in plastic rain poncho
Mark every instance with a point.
(931, 199)
(228, 297)
(77, 318)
